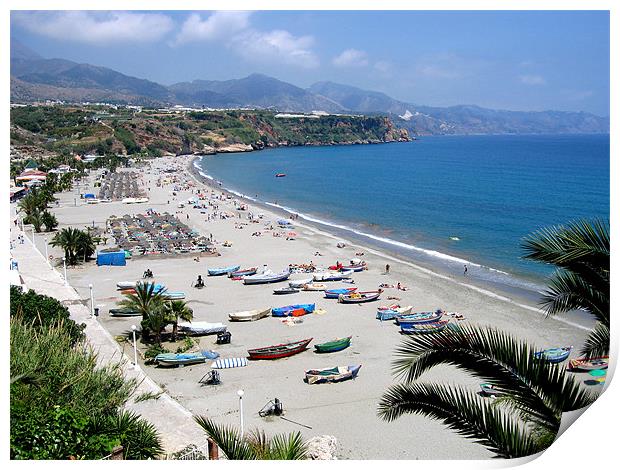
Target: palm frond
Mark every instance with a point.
(597, 342)
(227, 438)
(288, 447)
(463, 412)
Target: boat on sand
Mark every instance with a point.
(266, 277)
(184, 359)
(332, 374)
(583, 364)
(554, 355)
(334, 345)
(201, 328)
(359, 297)
(222, 271)
(280, 350)
(296, 310)
(250, 315)
(334, 293)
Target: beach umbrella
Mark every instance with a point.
(291, 234)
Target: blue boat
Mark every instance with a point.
(222, 271)
(424, 328)
(335, 293)
(184, 359)
(173, 295)
(554, 355)
(296, 310)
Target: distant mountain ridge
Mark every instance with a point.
(34, 78)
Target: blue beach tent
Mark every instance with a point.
(89, 196)
(111, 258)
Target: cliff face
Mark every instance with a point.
(85, 129)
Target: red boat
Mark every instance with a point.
(280, 350)
(280, 175)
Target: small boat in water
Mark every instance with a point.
(333, 374)
(124, 312)
(296, 310)
(280, 350)
(334, 345)
(583, 364)
(285, 290)
(243, 272)
(280, 175)
(184, 359)
(424, 328)
(334, 293)
(359, 297)
(266, 277)
(222, 271)
(250, 315)
(201, 328)
(554, 355)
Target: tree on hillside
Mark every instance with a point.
(534, 393)
(580, 252)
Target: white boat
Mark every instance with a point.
(129, 200)
(250, 315)
(141, 199)
(332, 276)
(200, 328)
(266, 277)
(92, 201)
(313, 286)
(126, 285)
(300, 282)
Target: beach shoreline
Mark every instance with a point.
(346, 410)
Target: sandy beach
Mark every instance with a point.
(346, 410)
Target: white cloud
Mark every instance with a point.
(351, 58)
(438, 71)
(383, 67)
(532, 79)
(96, 27)
(217, 26)
(276, 46)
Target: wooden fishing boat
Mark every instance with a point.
(250, 315)
(285, 290)
(184, 359)
(554, 355)
(296, 310)
(418, 318)
(266, 278)
(127, 291)
(359, 297)
(313, 286)
(243, 272)
(229, 363)
(333, 374)
(583, 364)
(490, 390)
(334, 293)
(124, 312)
(222, 271)
(280, 350)
(334, 345)
(299, 283)
(332, 276)
(424, 328)
(201, 328)
(393, 313)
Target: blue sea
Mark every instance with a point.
(441, 201)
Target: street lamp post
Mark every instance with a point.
(47, 259)
(64, 267)
(240, 393)
(135, 349)
(92, 300)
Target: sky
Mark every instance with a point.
(517, 60)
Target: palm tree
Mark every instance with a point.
(36, 219)
(580, 251)
(256, 446)
(149, 303)
(70, 240)
(175, 310)
(524, 421)
(87, 244)
(49, 220)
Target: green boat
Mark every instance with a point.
(333, 346)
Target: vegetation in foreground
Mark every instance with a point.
(533, 393)
(64, 406)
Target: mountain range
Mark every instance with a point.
(34, 78)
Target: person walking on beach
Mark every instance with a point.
(465, 272)
(387, 269)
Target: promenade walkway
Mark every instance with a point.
(174, 423)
